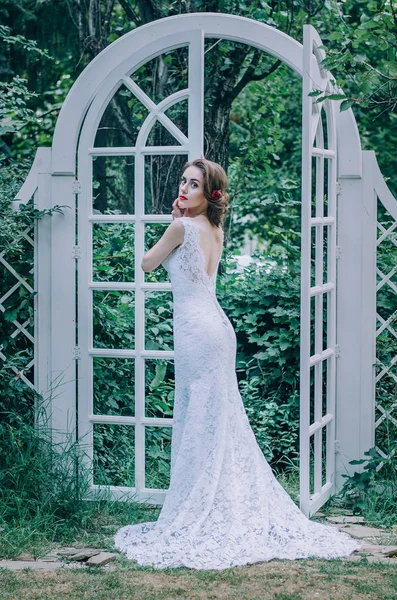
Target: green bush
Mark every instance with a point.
(262, 302)
(373, 492)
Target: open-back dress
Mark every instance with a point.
(224, 507)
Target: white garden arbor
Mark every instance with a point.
(340, 190)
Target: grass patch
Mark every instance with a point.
(276, 580)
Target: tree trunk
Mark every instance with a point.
(217, 134)
(229, 68)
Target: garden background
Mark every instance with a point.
(253, 128)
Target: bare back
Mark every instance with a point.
(211, 243)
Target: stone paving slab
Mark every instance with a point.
(379, 549)
(362, 531)
(35, 565)
(345, 519)
(101, 559)
(50, 558)
(83, 554)
(25, 556)
(66, 550)
(67, 557)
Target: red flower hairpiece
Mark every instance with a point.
(216, 194)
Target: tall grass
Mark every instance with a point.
(45, 494)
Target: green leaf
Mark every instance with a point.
(335, 35)
(11, 315)
(284, 345)
(346, 105)
(336, 97)
(160, 373)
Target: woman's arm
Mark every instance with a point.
(171, 238)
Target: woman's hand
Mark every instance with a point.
(177, 211)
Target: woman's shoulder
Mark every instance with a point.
(205, 224)
(211, 233)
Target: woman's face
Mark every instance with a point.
(191, 189)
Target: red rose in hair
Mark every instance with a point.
(216, 194)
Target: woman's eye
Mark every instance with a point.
(183, 181)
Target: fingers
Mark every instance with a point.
(176, 211)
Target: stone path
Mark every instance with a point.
(61, 558)
(378, 545)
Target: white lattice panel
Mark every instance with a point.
(21, 329)
(386, 335)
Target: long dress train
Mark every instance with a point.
(224, 506)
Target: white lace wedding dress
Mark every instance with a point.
(224, 507)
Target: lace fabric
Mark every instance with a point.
(224, 507)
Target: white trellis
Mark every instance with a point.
(338, 223)
(383, 200)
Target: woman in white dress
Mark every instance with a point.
(224, 506)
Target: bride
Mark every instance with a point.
(224, 507)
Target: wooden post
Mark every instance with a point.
(63, 322)
(42, 301)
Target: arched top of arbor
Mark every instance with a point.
(128, 53)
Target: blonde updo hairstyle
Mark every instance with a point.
(214, 178)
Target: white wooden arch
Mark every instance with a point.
(129, 52)
(349, 417)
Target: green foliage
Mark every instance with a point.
(29, 46)
(16, 114)
(364, 36)
(16, 235)
(43, 501)
(158, 316)
(26, 482)
(263, 304)
(113, 252)
(160, 388)
(114, 455)
(264, 172)
(38, 484)
(114, 386)
(158, 457)
(373, 491)
(361, 53)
